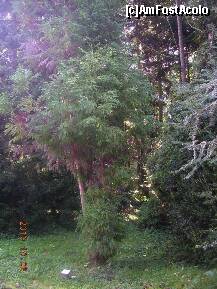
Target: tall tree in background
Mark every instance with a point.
(42, 53)
(156, 42)
(183, 66)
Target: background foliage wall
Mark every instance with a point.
(46, 199)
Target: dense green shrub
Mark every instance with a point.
(46, 199)
(151, 213)
(101, 225)
(183, 169)
(189, 203)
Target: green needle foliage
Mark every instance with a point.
(90, 98)
(101, 226)
(94, 104)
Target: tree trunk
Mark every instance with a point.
(160, 105)
(210, 36)
(141, 172)
(181, 47)
(188, 67)
(81, 190)
(81, 186)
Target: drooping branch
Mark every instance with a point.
(203, 150)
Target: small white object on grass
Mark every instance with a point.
(66, 273)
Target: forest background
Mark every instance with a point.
(106, 121)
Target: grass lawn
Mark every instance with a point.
(144, 260)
